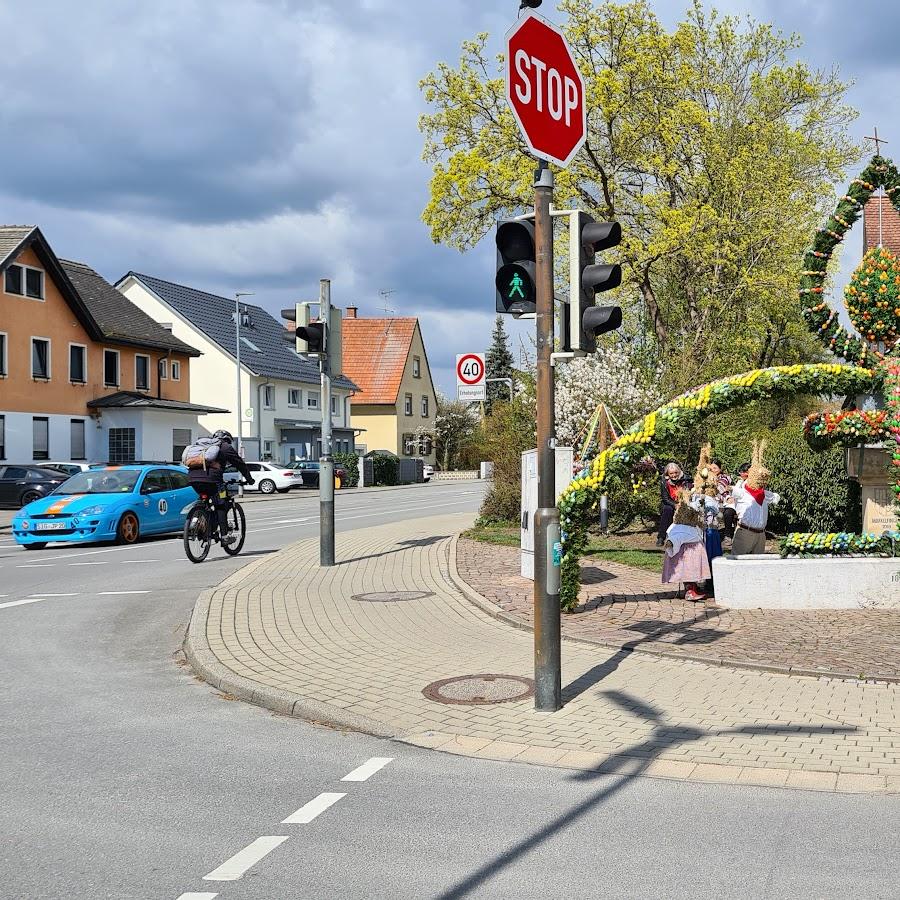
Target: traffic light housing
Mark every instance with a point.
(587, 278)
(515, 280)
(311, 338)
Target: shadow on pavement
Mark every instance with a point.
(627, 764)
(400, 548)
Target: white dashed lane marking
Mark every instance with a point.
(21, 602)
(119, 593)
(310, 810)
(198, 896)
(232, 869)
(368, 769)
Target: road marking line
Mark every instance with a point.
(194, 895)
(232, 869)
(310, 810)
(21, 602)
(52, 595)
(36, 566)
(87, 564)
(117, 593)
(368, 769)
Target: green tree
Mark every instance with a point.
(498, 363)
(710, 143)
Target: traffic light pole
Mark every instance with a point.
(326, 460)
(547, 663)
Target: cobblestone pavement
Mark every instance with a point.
(286, 634)
(623, 607)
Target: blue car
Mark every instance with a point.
(113, 503)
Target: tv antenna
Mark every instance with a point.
(384, 299)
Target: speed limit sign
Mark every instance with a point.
(470, 374)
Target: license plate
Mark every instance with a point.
(51, 526)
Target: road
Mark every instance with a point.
(123, 776)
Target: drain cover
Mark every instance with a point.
(480, 689)
(392, 596)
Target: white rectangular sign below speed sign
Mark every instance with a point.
(470, 374)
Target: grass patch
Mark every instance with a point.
(637, 549)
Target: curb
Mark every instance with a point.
(494, 611)
(206, 664)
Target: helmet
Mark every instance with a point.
(223, 435)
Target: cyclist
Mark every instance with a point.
(210, 480)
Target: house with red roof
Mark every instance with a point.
(395, 405)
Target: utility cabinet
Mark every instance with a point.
(564, 461)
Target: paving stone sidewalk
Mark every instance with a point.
(288, 635)
(623, 607)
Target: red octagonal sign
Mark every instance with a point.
(545, 89)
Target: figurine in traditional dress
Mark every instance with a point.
(752, 500)
(684, 559)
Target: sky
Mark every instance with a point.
(259, 145)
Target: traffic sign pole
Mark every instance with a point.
(547, 638)
(326, 460)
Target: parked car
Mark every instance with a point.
(268, 477)
(309, 472)
(70, 468)
(427, 472)
(22, 484)
(117, 503)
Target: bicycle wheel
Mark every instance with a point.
(197, 534)
(237, 525)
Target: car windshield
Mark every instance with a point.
(101, 481)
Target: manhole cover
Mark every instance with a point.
(392, 596)
(478, 689)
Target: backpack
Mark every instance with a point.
(201, 453)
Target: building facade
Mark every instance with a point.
(280, 391)
(395, 406)
(84, 375)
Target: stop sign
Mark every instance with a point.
(545, 89)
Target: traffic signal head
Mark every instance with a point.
(308, 337)
(588, 278)
(515, 284)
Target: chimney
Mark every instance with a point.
(351, 312)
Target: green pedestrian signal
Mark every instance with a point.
(515, 279)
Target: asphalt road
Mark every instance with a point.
(123, 776)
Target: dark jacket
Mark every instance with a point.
(228, 456)
(664, 497)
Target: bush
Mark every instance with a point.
(502, 505)
(350, 462)
(816, 494)
(387, 469)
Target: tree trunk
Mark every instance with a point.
(650, 301)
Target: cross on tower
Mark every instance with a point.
(878, 141)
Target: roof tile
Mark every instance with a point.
(375, 354)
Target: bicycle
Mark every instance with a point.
(202, 526)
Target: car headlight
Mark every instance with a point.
(93, 511)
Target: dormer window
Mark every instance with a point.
(24, 281)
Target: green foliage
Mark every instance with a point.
(455, 425)
(498, 363)
(350, 462)
(816, 494)
(386, 469)
(504, 435)
(713, 145)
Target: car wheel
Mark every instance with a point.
(267, 486)
(35, 545)
(29, 497)
(129, 529)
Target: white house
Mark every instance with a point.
(280, 395)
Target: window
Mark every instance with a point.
(181, 438)
(407, 405)
(121, 444)
(77, 363)
(409, 444)
(40, 426)
(25, 282)
(2, 437)
(3, 368)
(312, 400)
(76, 439)
(176, 370)
(293, 396)
(155, 481)
(334, 406)
(250, 345)
(424, 407)
(40, 358)
(417, 367)
(163, 370)
(142, 372)
(269, 396)
(111, 368)
(267, 449)
(177, 480)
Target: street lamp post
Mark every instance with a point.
(237, 356)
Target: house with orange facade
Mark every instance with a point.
(84, 374)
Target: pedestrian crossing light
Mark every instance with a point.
(587, 278)
(515, 279)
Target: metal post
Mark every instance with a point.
(547, 664)
(237, 348)
(326, 461)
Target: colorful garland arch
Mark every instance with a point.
(579, 503)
